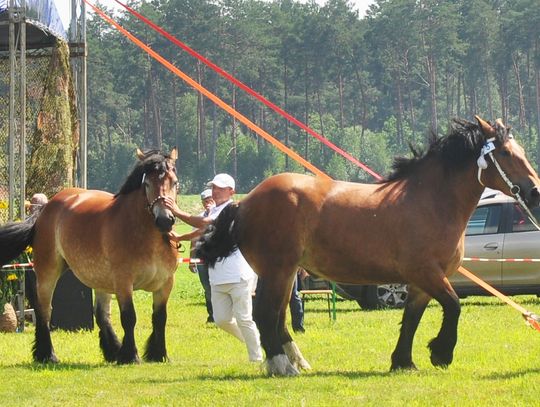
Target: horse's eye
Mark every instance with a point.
(505, 153)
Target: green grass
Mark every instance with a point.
(496, 361)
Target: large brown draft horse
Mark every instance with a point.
(113, 243)
(407, 229)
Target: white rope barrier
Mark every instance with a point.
(189, 260)
(482, 259)
(18, 265)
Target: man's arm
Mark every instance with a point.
(193, 235)
(192, 220)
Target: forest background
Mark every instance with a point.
(371, 85)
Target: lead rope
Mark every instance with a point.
(488, 148)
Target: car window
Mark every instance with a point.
(484, 220)
(520, 220)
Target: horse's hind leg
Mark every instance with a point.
(156, 350)
(289, 346)
(270, 307)
(415, 306)
(108, 341)
(47, 274)
(128, 350)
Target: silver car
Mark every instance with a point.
(497, 230)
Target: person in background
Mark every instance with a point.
(37, 202)
(296, 304)
(202, 269)
(231, 279)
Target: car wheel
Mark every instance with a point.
(384, 296)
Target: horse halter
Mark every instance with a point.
(150, 205)
(487, 149)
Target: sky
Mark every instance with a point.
(64, 7)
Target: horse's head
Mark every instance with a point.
(502, 164)
(159, 180)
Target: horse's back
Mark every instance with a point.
(323, 225)
(70, 218)
(280, 216)
(72, 210)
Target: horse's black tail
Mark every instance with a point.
(219, 239)
(15, 237)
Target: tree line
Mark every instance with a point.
(371, 85)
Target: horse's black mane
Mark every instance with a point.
(153, 160)
(461, 145)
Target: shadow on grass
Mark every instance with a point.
(325, 311)
(510, 374)
(332, 373)
(219, 378)
(58, 367)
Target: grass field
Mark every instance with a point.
(496, 361)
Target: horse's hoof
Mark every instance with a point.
(128, 360)
(156, 359)
(48, 360)
(435, 361)
(440, 361)
(403, 366)
(440, 356)
(295, 356)
(280, 365)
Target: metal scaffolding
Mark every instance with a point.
(27, 35)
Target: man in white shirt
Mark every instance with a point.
(231, 279)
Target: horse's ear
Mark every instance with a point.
(500, 125)
(174, 154)
(487, 129)
(140, 154)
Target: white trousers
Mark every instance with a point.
(232, 306)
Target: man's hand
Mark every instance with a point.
(171, 205)
(174, 237)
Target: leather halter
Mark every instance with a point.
(150, 205)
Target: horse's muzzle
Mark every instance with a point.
(165, 223)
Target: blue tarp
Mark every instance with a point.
(41, 13)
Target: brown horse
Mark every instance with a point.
(406, 229)
(113, 243)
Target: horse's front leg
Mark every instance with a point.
(415, 306)
(108, 341)
(128, 351)
(442, 346)
(156, 350)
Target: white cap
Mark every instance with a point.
(222, 181)
(207, 193)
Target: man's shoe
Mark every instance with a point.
(299, 329)
(210, 320)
